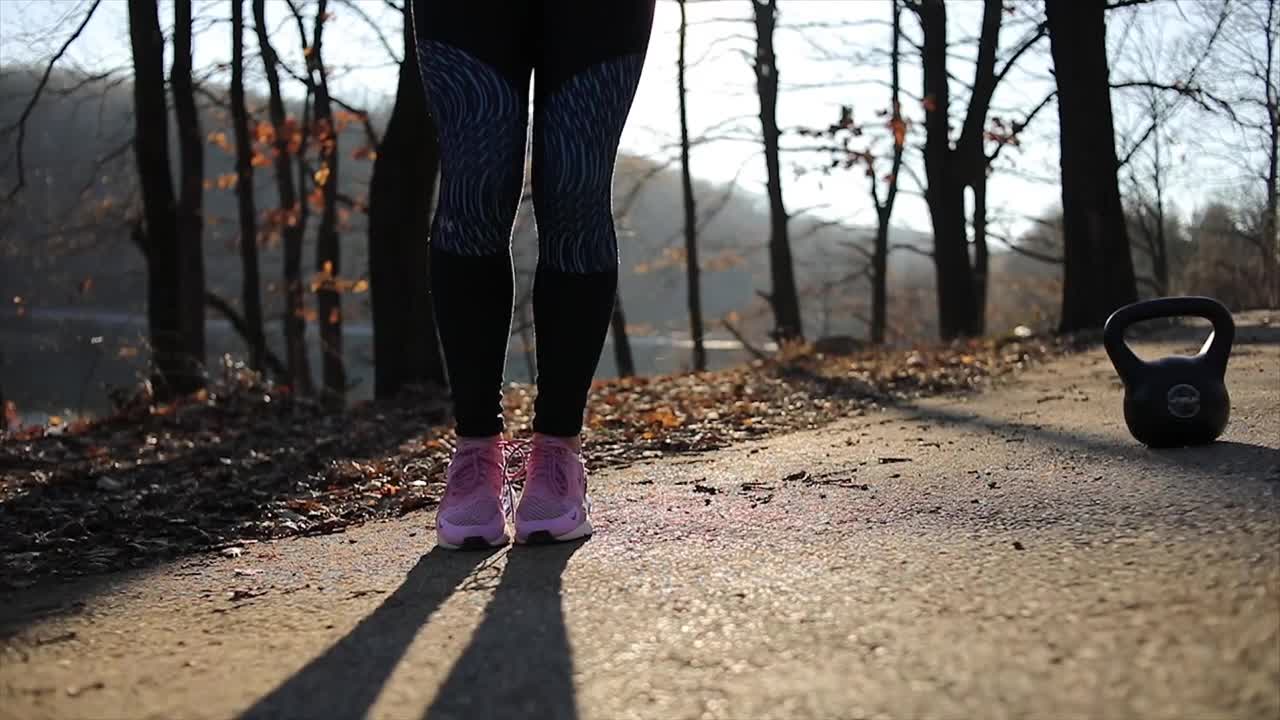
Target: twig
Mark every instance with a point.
(355, 7)
(757, 352)
(1027, 121)
(35, 97)
(242, 328)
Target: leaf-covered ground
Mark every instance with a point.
(240, 463)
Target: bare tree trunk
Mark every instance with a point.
(251, 291)
(1098, 272)
(1160, 242)
(946, 170)
(981, 258)
(783, 297)
(1270, 228)
(880, 284)
(157, 234)
(328, 255)
(692, 271)
(406, 348)
(1270, 218)
(191, 185)
(293, 216)
(621, 343)
(884, 210)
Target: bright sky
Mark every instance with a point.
(817, 47)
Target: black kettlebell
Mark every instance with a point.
(1179, 400)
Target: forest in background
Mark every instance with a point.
(75, 222)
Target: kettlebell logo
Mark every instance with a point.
(1184, 401)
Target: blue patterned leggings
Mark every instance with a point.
(476, 58)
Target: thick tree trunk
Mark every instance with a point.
(251, 294)
(947, 175)
(961, 285)
(406, 348)
(1098, 272)
(621, 342)
(784, 297)
(328, 255)
(191, 184)
(692, 271)
(157, 233)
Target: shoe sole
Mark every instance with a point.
(545, 537)
(474, 542)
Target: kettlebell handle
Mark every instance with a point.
(1216, 350)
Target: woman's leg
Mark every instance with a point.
(589, 57)
(475, 66)
(475, 60)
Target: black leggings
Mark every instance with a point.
(476, 57)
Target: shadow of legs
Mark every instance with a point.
(518, 663)
(345, 681)
(1205, 457)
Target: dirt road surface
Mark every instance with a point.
(1008, 554)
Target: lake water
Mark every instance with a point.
(62, 361)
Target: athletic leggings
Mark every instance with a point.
(476, 57)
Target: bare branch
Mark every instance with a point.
(911, 249)
(1048, 259)
(1027, 252)
(1041, 31)
(737, 335)
(370, 134)
(92, 175)
(634, 193)
(242, 329)
(1193, 92)
(377, 30)
(857, 247)
(35, 98)
(1026, 121)
(1151, 128)
(816, 228)
(1117, 4)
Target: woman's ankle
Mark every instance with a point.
(465, 440)
(573, 441)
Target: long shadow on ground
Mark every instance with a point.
(519, 663)
(345, 681)
(1206, 457)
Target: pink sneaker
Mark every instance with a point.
(554, 506)
(477, 500)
